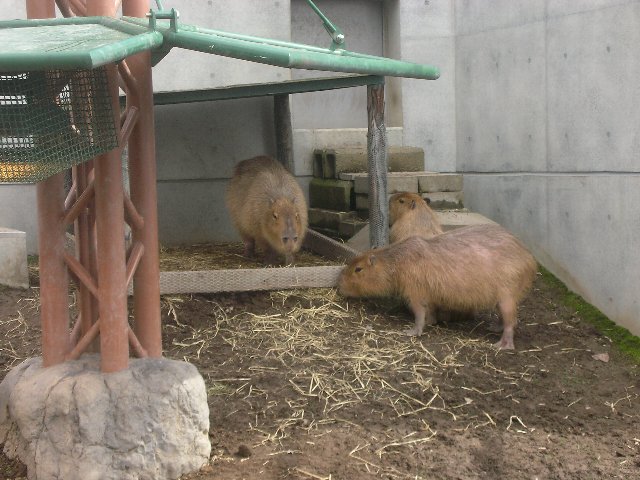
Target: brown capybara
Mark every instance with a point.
(466, 269)
(410, 215)
(267, 207)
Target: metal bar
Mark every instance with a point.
(377, 157)
(290, 57)
(134, 260)
(84, 342)
(336, 34)
(85, 197)
(54, 279)
(81, 274)
(71, 196)
(126, 75)
(284, 131)
(142, 184)
(131, 215)
(109, 194)
(79, 8)
(266, 89)
(131, 116)
(65, 8)
(136, 346)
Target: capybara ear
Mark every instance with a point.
(413, 204)
(428, 200)
(372, 259)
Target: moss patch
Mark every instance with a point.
(626, 342)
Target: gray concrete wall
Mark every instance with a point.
(424, 32)
(548, 109)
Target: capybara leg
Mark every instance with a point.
(249, 247)
(423, 315)
(508, 310)
(270, 256)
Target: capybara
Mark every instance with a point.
(410, 215)
(466, 269)
(267, 207)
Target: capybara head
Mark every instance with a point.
(402, 202)
(365, 276)
(284, 228)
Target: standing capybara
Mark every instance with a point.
(466, 269)
(267, 207)
(410, 215)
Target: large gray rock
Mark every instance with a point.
(71, 421)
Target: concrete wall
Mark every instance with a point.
(548, 109)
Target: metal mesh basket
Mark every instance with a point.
(52, 120)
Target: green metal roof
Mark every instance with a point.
(90, 42)
(82, 43)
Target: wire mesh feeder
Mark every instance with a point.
(52, 120)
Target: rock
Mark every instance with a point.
(70, 421)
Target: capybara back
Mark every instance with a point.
(467, 269)
(267, 207)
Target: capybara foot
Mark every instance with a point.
(504, 344)
(413, 332)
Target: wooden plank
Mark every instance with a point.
(243, 280)
(328, 247)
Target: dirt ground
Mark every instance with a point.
(305, 384)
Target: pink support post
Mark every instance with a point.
(109, 207)
(54, 278)
(142, 182)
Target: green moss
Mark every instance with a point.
(626, 342)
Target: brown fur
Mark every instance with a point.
(267, 207)
(410, 215)
(467, 269)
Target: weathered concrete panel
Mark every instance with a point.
(581, 227)
(474, 16)
(205, 140)
(593, 90)
(18, 211)
(429, 106)
(556, 8)
(184, 69)
(501, 100)
(361, 21)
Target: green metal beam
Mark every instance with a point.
(265, 89)
(287, 54)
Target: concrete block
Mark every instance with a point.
(334, 161)
(330, 194)
(440, 182)
(13, 258)
(396, 182)
(362, 202)
(349, 228)
(450, 219)
(322, 218)
(443, 200)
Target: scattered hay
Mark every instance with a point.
(335, 355)
(221, 256)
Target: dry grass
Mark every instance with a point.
(332, 357)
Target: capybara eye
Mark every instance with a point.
(275, 216)
(401, 200)
(358, 269)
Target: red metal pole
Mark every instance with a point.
(142, 183)
(109, 207)
(54, 278)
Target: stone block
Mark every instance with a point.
(13, 258)
(349, 228)
(331, 219)
(444, 200)
(330, 194)
(396, 182)
(450, 219)
(332, 162)
(440, 182)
